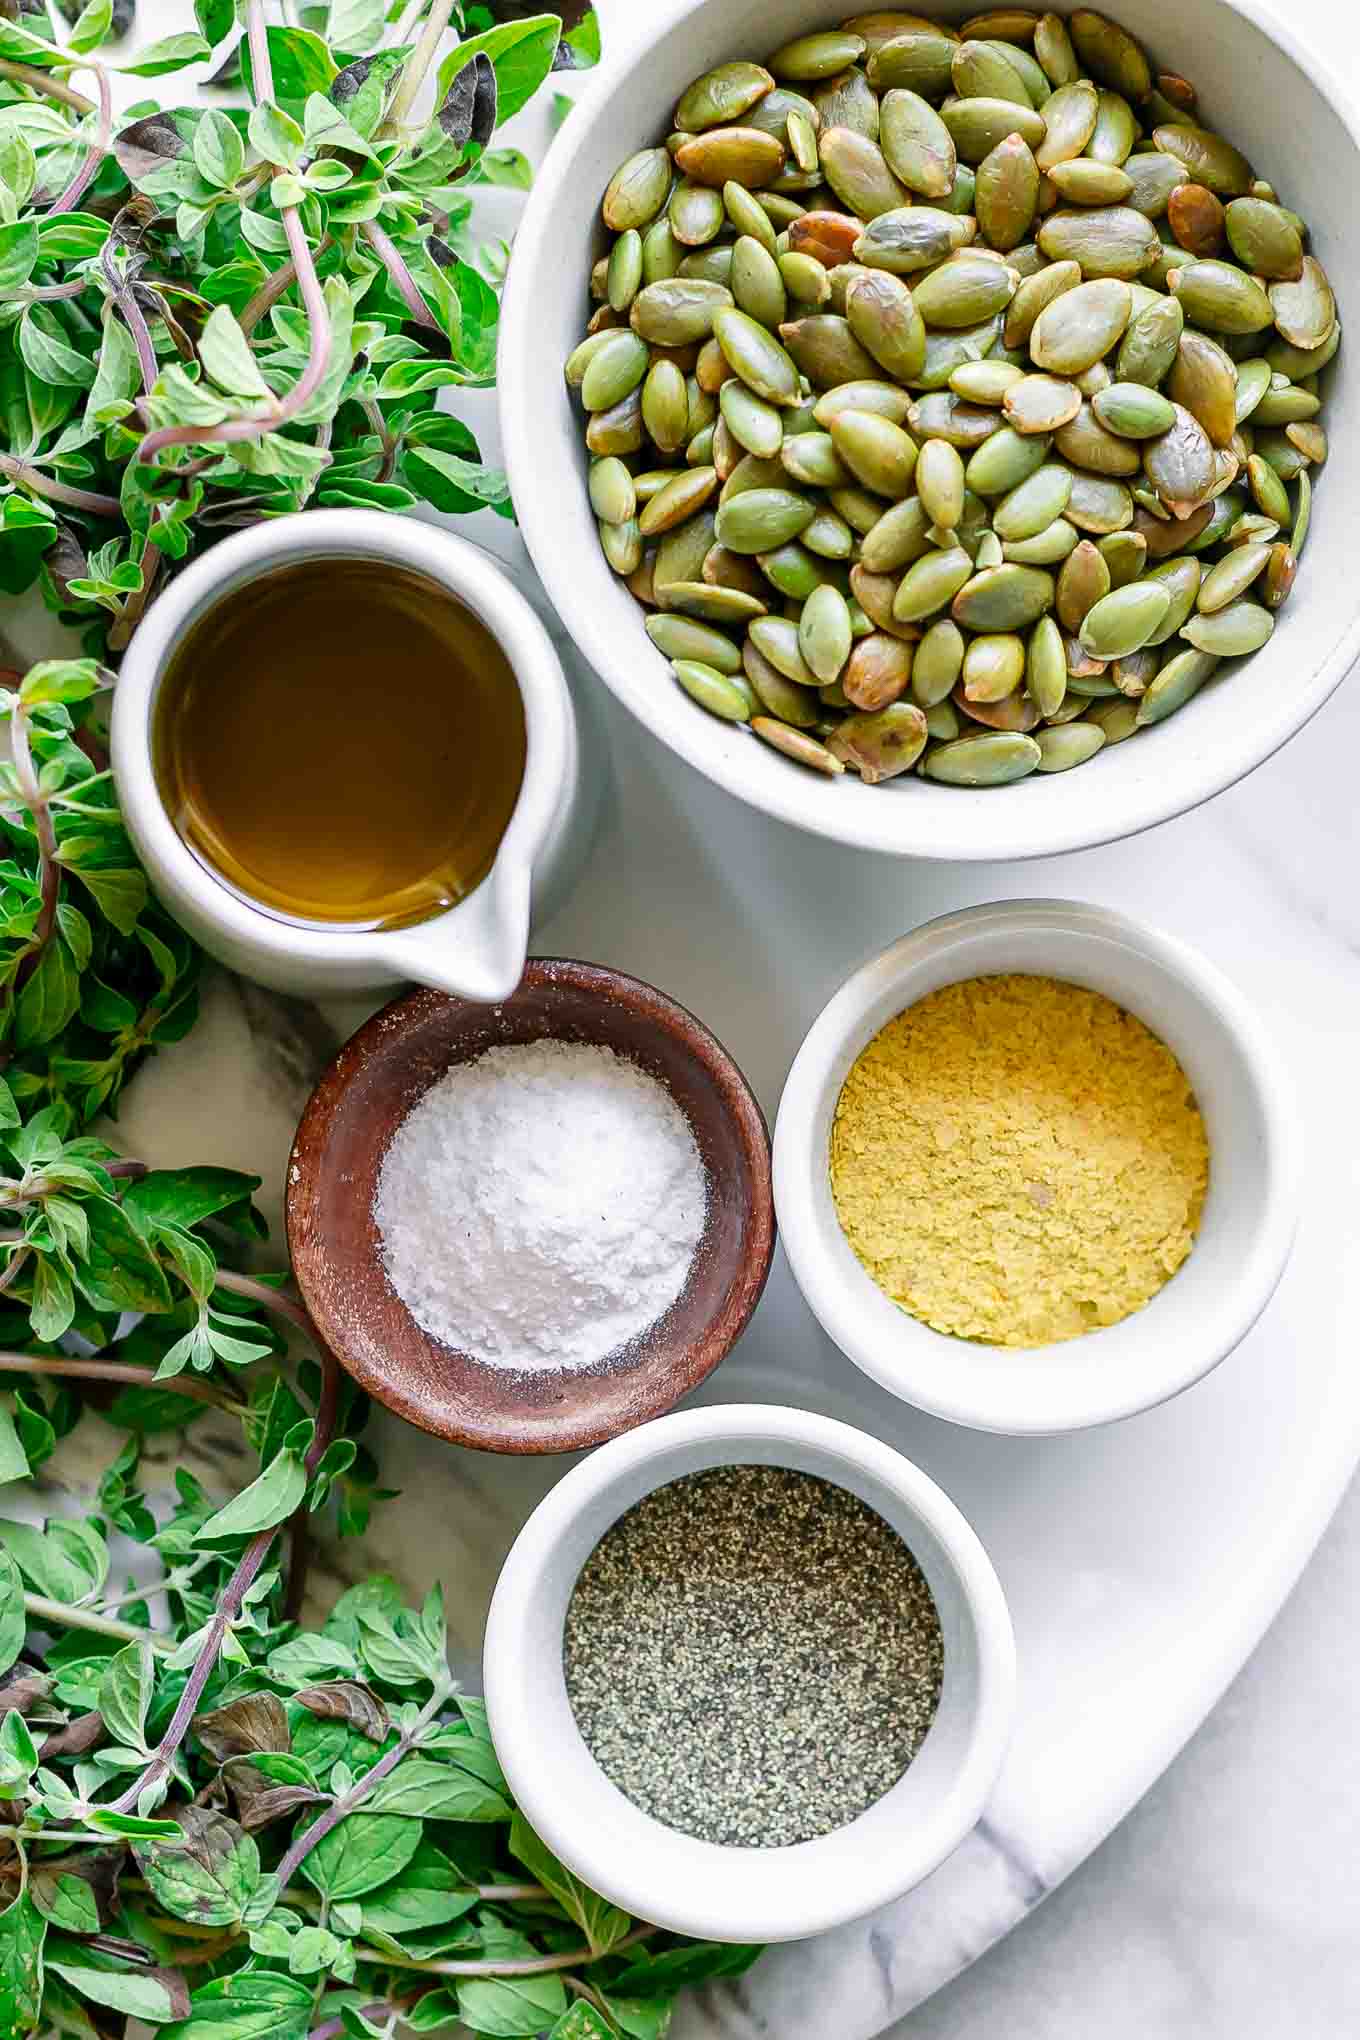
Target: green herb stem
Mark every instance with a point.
(90, 168)
(416, 68)
(27, 476)
(43, 81)
(272, 289)
(61, 1615)
(273, 1299)
(538, 1965)
(120, 1371)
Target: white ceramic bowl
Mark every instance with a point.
(1250, 1214)
(670, 1879)
(1269, 95)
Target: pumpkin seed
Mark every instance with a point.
(1264, 239)
(1305, 310)
(825, 350)
(1061, 749)
(1053, 48)
(977, 124)
(993, 667)
(759, 520)
(1110, 53)
(1180, 464)
(614, 372)
(940, 483)
(745, 155)
(1300, 362)
(979, 69)
(696, 214)
(756, 356)
(1034, 505)
(1048, 548)
(1125, 554)
(1232, 632)
(617, 430)
(858, 174)
(1033, 296)
(917, 145)
(992, 758)
(713, 603)
(1208, 158)
(1041, 404)
(1070, 121)
(804, 278)
(1080, 327)
(938, 663)
(637, 191)
(754, 424)
(1223, 298)
(718, 691)
(1134, 411)
(1149, 347)
(1278, 580)
(1179, 679)
(1287, 406)
(886, 321)
(931, 583)
(722, 96)
(1204, 380)
(1135, 672)
(1083, 581)
(1182, 579)
(847, 100)
(1268, 491)
(613, 497)
(1006, 196)
(882, 744)
(1232, 577)
(621, 545)
(1196, 218)
(674, 504)
(878, 671)
(811, 459)
(1116, 130)
(817, 56)
(1109, 241)
(1153, 178)
(824, 633)
(1123, 621)
(1099, 504)
(1093, 184)
(919, 59)
(1004, 598)
(878, 453)
(985, 382)
(677, 310)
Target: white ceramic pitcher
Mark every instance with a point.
(475, 949)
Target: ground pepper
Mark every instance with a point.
(1017, 1160)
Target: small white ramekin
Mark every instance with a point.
(671, 1879)
(1250, 1215)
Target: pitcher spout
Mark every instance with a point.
(477, 950)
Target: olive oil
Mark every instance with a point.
(342, 741)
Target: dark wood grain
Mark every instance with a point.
(337, 1156)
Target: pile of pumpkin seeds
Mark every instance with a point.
(953, 396)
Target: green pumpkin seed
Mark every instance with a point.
(1182, 579)
(985, 382)
(848, 100)
(878, 453)
(1123, 621)
(756, 283)
(1006, 196)
(947, 351)
(931, 583)
(1148, 349)
(754, 424)
(665, 407)
(1046, 667)
(1005, 460)
(1048, 548)
(884, 398)
(938, 663)
(1034, 295)
(1110, 53)
(1264, 239)
(1004, 598)
(940, 483)
(677, 311)
(1070, 121)
(811, 459)
(1133, 411)
(822, 55)
(1204, 381)
(917, 145)
(1083, 182)
(1153, 178)
(1232, 632)
(743, 155)
(1083, 581)
(1053, 48)
(1303, 516)
(1287, 406)
(1300, 362)
(855, 169)
(718, 691)
(774, 111)
(1061, 749)
(614, 372)
(796, 572)
(674, 504)
(919, 59)
(883, 744)
(713, 603)
(1304, 311)
(877, 672)
(909, 239)
(942, 415)
(988, 552)
(796, 744)
(1125, 554)
(1180, 464)
(1135, 672)
(756, 356)
(804, 278)
(617, 430)
(1034, 505)
(622, 546)
(722, 96)
(1179, 679)
(781, 697)
(978, 123)
(1222, 298)
(897, 539)
(1116, 130)
(1278, 580)
(776, 639)
(1232, 577)
(826, 351)
(625, 270)
(1268, 491)
(992, 758)
(1041, 404)
(637, 191)
(1117, 720)
(964, 290)
(1099, 504)
(993, 667)
(1278, 451)
(858, 507)
(824, 633)
(661, 253)
(886, 321)
(943, 722)
(1208, 159)
(751, 472)
(1085, 444)
(683, 637)
(982, 70)
(696, 214)
(1109, 241)
(708, 265)
(1080, 327)
(760, 520)
(613, 496)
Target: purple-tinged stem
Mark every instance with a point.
(15, 470)
(35, 800)
(43, 81)
(90, 168)
(387, 252)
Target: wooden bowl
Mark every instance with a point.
(337, 1258)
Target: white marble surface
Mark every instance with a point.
(1142, 1564)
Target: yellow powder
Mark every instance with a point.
(1018, 1160)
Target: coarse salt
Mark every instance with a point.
(541, 1206)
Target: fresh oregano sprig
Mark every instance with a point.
(212, 315)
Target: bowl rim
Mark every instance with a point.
(1159, 797)
(380, 1036)
(636, 1878)
(800, 1162)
